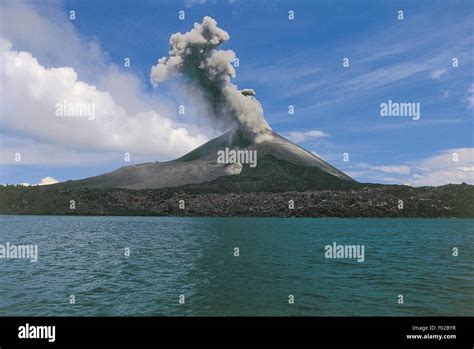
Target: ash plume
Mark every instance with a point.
(196, 56)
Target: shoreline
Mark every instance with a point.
(451, 201)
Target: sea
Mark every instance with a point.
(209, 266)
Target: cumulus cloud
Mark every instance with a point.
(31, 93)
(208, 70)
(52, 38)
(44, 181)
(48, 180)
(56, 65)
(298, 137)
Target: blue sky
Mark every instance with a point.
(288, 62)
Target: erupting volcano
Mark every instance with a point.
(207, 70)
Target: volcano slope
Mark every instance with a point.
(281, 166)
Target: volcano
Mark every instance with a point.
(281, 166)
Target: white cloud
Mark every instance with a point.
(48, 180)
(449, 158)
(44, 181)
(52, 37)
(33, 152)
(451, 166)
(57, 64)
(443, 169)
(297, 136)
(30, 93)
(438, 73)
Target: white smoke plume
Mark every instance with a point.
(196, 56)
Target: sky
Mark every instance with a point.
(422, 56)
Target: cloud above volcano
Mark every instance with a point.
(208, 71)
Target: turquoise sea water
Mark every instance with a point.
(194, 257)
